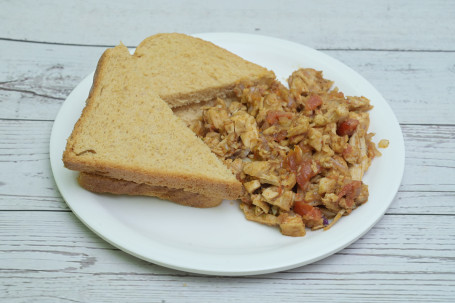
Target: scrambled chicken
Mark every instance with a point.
(300, 152)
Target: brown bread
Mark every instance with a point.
(100, 184)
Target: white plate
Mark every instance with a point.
(220, 241)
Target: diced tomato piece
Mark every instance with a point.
(294, 158)
(301, 167)
(313, 102)
(347, 127)
(305, 173)
(307, 211)
(274, 116)
(350, 191)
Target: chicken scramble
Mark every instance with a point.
(300, 152)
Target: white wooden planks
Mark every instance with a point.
(51, 254)
(36, 79)
(406, 49)
(404, 25)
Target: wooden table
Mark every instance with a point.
(406, 49)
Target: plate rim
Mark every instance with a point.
(106, 235)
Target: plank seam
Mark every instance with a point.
(24, 91)
(321, 49)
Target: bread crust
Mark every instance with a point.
(101, 184)
(199, 185)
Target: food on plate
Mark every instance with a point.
(186, 121)
(127, 131)
(383, 143)
(130, 139)
(300, 152)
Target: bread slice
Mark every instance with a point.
(100, 184)
(183, 70)
(128, 132)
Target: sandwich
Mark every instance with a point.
(129, 141)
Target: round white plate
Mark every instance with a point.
(220, 241)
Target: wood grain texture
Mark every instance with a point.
(37, 78)
(404, 24)
(52, 247)
(405, 48)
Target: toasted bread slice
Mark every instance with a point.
(100, 184)
(183, 70)
(127, 132)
